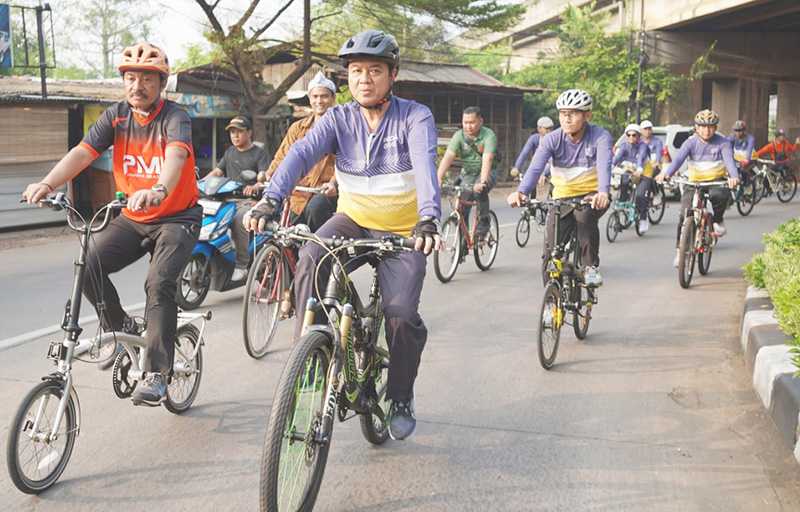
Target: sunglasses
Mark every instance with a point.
(632, 134)
(738, 130)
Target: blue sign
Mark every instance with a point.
(5, 36)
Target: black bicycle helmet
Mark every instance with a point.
(374, 44)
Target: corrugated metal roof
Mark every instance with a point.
(415, 71)
(25, 89)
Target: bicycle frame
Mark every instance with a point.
(459, 204)
(559, 266)
(699, 211)
(65, 351)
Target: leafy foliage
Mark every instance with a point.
(606, 65)
(778, 270)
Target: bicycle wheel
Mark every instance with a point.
(193, 283)
(551, 319)
(446, 259)
(759, 189)
(636, 224)
(523, 233)
(583, 313)
(745, 200)
(294, 456)
(658, 204)
(187, 369)
(540, 218)
(262, 300)
(786, 187)
(613, 226)
(485, 250)
(375, 429)
(35, 460)
(686, 253)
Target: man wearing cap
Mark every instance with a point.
(779, 149)
(243, 155)
(154, 166)
(633, 153)
(543, 126)
(312, 211)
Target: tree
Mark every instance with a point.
(242, 44)
(100, 29)
(604, 65)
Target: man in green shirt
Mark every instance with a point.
(476, 146)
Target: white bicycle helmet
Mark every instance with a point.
(646, 124)
(574, 99)
(544, 122)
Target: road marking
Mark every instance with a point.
(44, 331)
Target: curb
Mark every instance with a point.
(767, 356)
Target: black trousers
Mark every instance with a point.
(400, 279)
(118, 246)
(318, 210)
(719, 197)
(586, 222)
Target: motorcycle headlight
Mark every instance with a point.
(207, 230)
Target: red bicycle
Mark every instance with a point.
(269, 293)
(458, 239)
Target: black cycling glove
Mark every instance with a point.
(428, 229)
(265, 210)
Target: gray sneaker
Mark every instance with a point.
(402, 421)
(592, 277)
(152, 390)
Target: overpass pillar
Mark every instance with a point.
(742, 98)
(789, 108)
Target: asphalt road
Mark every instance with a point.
(654, 411)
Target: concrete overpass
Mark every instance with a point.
(756, 51)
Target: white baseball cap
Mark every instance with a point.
(646, 124)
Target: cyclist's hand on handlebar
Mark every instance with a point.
(516, 199)
(427, 234)
(252, 190)
(733, 182)
(35, 192)
(600, 200)
(328, 189)
(144, 199)
(258, 216)
(661, 178)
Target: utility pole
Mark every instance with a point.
(642, 63)
(42, 58)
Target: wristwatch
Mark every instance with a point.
(160, 187)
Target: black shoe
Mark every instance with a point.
(152, 390)
(134, 325)
(402, 421)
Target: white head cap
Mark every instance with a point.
(646, 124)
(633, 127)
(320, 80)
(544, 122)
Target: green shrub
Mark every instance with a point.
(778, 270)
(754, 271)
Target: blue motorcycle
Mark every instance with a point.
(213, 259)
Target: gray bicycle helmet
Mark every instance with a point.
(574, 99)
(371, 43)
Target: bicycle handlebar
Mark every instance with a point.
(765, 161)
(310, 190)
(701, 184)
(59, 201)
(301, 232)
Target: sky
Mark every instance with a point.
(180, 23)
